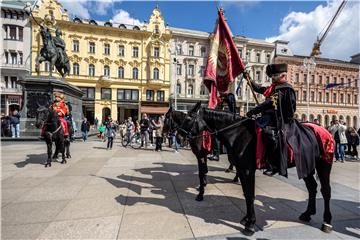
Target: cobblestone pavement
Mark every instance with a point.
(143, 194)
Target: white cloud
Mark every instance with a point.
(124, 17)
(78, 8)
(301, 30)
(103, 7)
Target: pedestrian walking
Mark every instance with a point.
(158, 126)
(174, 140)
(101, 130)
(85, 128)
(338, 129)
(144, 130)
(130, 128)
(15, 124)
(96, 122)
(353, 142)
(110, 134)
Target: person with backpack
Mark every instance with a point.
(15, 124)
(337, 129)
(110, 133)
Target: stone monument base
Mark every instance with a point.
(37, 92)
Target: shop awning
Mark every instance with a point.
(154, 110)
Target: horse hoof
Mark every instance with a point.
(63, 162)
(327, 228)
(199, 198)
(248, 231)
(244, 221)
(305, 217)
(235, 180)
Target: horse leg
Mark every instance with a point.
(323, 170)
(247, 178)
(202, 167)
(67, 148)
(49, 151)
(62, 149)
(311, 186)
(55, 156)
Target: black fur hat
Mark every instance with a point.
(272, 69)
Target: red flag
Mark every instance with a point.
(223, 65)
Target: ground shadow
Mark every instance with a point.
(32, 159)
(214, 208)
(100, 148)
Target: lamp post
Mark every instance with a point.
(308, 64)
(173, 84)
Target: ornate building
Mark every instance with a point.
(15, 54)
(340, 102)
(123, 70)
(189, 51)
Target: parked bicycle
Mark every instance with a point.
(135, 140)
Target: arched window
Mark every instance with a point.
(108, 24)
(122, 26)
(135, 73)
(121, 72)
(311, 118)
(334, 117)
(190, 90)
(303, 117)
(296, 116)
(93, 22)
(178, 88)
(348, 121)
(156, 28)
(91, 70)
(327, 121)
(156, 74)
(136, 28)
(203, 90)
(355, 122)
(76, 69)
(341, 117)
(106, 71)
(203, 51)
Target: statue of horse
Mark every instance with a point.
(49, 52)
(47, 118)
(240, 137)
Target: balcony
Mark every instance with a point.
(25, 67)
(104, 80)
(11, 91)
(13, 44)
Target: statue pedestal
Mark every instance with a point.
(38, 91)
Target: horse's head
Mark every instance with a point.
(168, 122)
(193, 124)
(42, 114)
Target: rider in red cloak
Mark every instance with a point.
(60, 107)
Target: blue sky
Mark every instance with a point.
(298, 22)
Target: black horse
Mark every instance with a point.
(239, 136)
(53, 132)
(173, 120)
(67, 140)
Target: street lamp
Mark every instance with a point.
(174, 61)
(308, 64)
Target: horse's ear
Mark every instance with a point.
(196, 107)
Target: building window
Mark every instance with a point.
(91, 70)
(191, 50)
(135, 52)
(156, 74)
(121, 51)
(107, 49)
(179, 49)
(7, 57)
(268, 58)
(203, 52)
(296, 95)
(178, 88)
(160, 96)
(341, 98)
(312, 96)
(191, 70)
(76, 70)
(190, 90)
(21, 57)
(304, 96)
(6, 79)
(128, 94)
(312, 81)
(355, 99)
(135, 73)
(149, 95)
(257, 75)
(296, 77)
(327, 97)
(320, 80)
(202, 71)
(258, 57)
(334, 97)
(106, 71)
(121, 72)
(328, 80)
(349, 98)
(13, 58)
(305, 78)
(21, 34)
(106, 93)
(47, 66)
(178, 69)
(12, 35)
(342, 81)
(320, 96)
(247, 57)
(76, 45)
(91, 47)
(203, 90)
(156, 29)
(156, 52)
(89, 93)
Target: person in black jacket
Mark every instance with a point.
(144, 130)
(85, 128)
(15, 124)
(277, 109)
